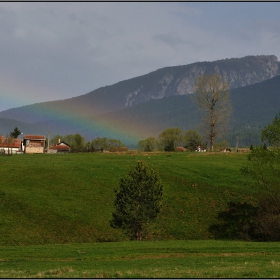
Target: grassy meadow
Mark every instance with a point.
(55, 212)
(69, 198)
(138, 259)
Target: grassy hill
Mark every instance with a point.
(69, 198)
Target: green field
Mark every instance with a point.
(58, 207)
(69, 198)
(138, 259)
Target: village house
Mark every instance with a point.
(34, 144)
(10, 145)
(60, 147)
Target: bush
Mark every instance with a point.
(237, 222)
(268, 219)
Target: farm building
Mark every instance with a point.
(61, 147)
(34, 144)
(10, 145)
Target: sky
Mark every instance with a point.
(58, 50)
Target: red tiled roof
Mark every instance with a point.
(15, 143)
(60, 147)
(35, 137)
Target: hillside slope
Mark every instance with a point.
(70, 198)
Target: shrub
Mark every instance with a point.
(237, 222)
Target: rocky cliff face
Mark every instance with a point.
(179, 80)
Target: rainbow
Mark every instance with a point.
(64, 121)
(77, 119)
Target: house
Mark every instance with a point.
(34, 144)
(10, 145)
(180, 149)
(60, 147)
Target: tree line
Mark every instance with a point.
(79, 144)
(171, 138)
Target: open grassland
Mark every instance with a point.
(69, 198)
(138, 259)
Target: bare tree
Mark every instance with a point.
(213, 99)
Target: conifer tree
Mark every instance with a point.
(138, 200)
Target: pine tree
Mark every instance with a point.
(138, 200)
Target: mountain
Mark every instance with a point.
(143, 106)
(254, 106)
(8, 125)
(165, 82)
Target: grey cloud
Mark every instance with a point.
(171, 38)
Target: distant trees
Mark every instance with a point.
(271, 133)
(56, 139)
(138, 200)
(15, 133)
(105, 143)
(99, 143)
(192, 140)
(213, 98)
(78, 143)
(148, 145)
(170, 138)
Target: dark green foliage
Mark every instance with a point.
(271, 133)
(236, 222)
(263, 168)
(268, 219)
(138, 200)
(15, 133)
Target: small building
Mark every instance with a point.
(34, 144)
(180, 149)
(10, 145)
(60, 147)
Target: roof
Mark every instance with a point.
(35, 137)
(60, 147)
(9, 143)
(62, 143)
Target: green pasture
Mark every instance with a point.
(55, 212)
(143, 259)
(68, 198)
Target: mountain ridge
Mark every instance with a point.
(164, 82)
